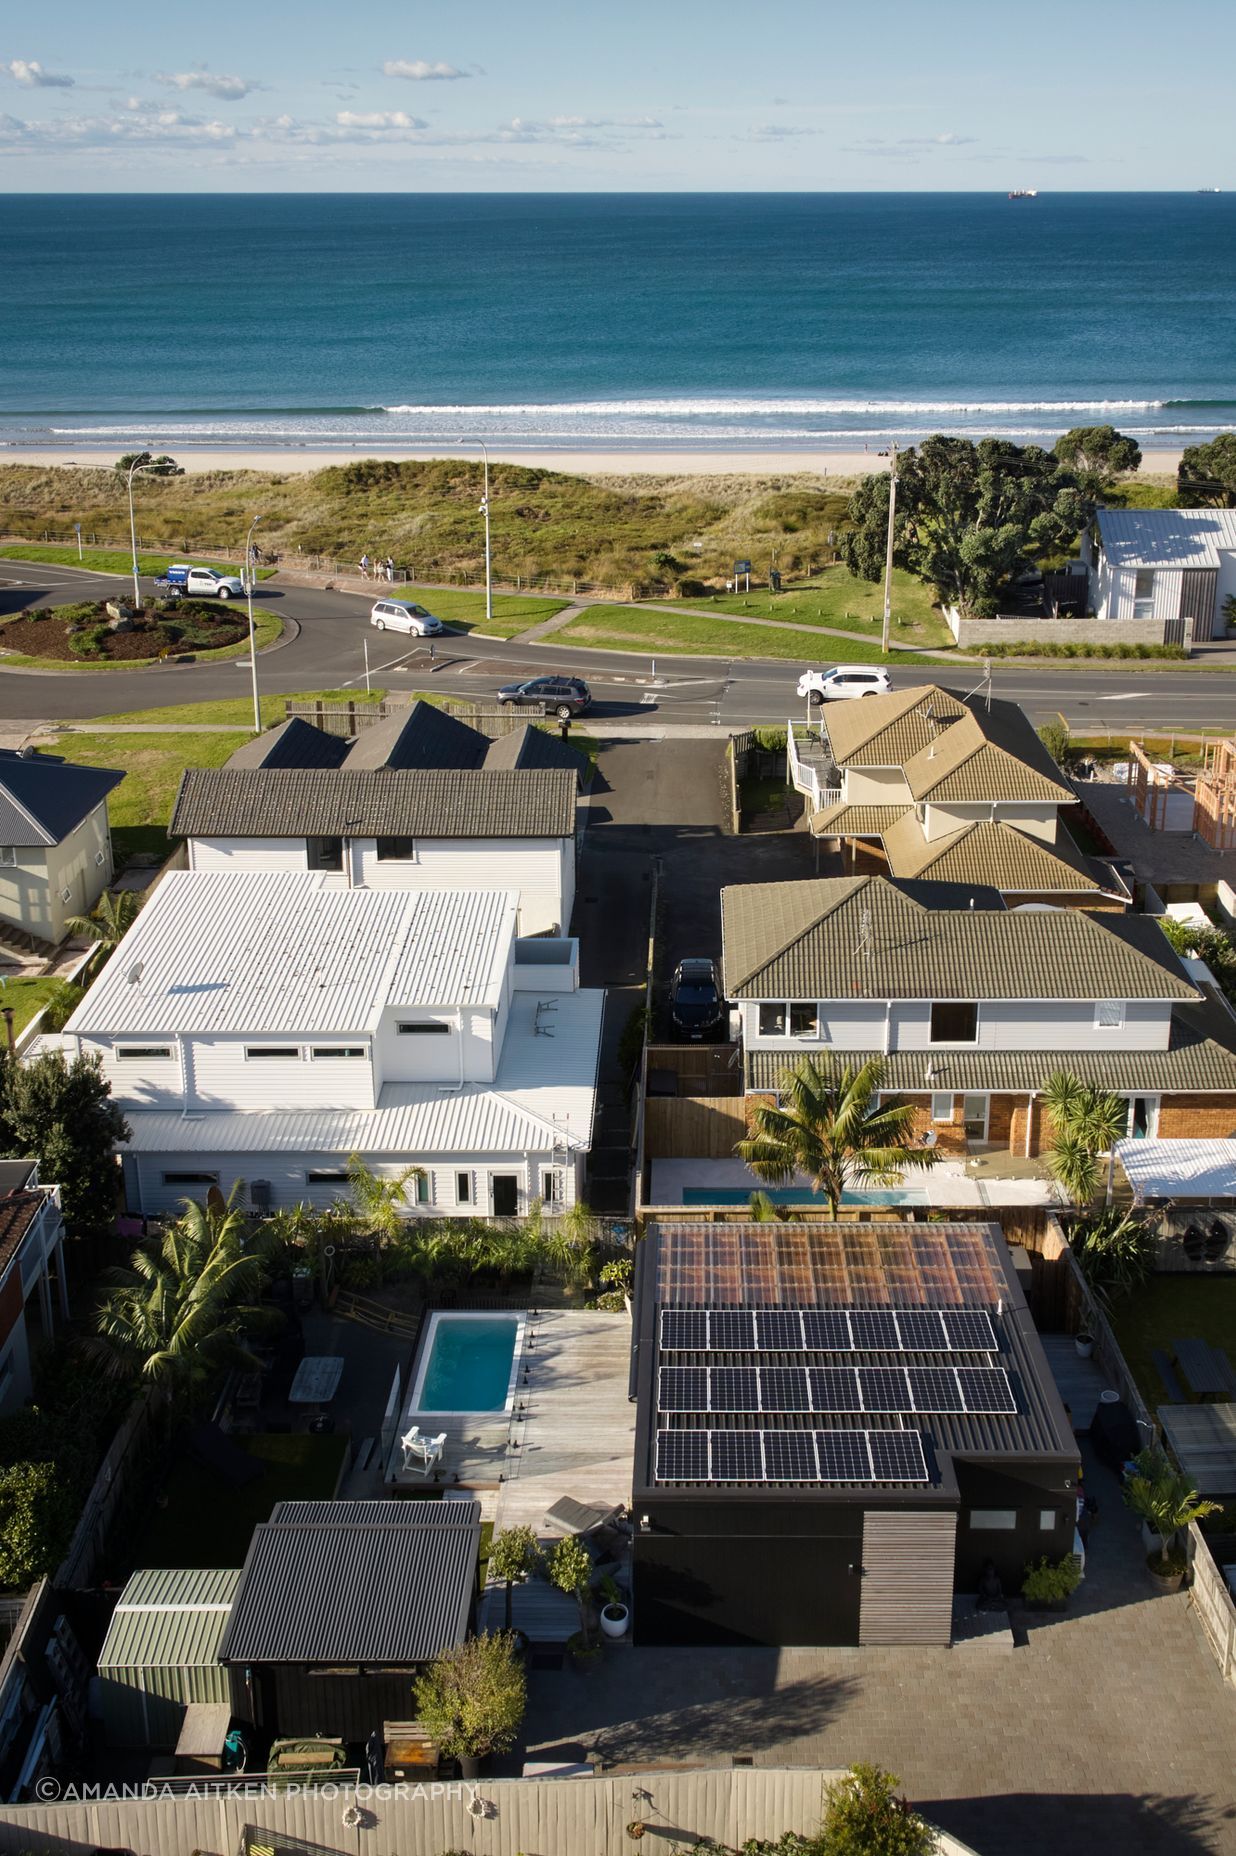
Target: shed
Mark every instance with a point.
(161, 1654)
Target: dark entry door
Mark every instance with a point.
(506, 1195)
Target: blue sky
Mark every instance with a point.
(440, 96)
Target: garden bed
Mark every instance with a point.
(81, 634)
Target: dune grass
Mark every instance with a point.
(106, 560)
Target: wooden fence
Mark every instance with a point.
(125, 1454)
(693, 1127)
(700, 1069)
(353, 718)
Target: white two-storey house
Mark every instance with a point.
(262, 1027)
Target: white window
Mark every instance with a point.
(1047, 1520)
(463, 1188)
(254, 1052)
(954, 1021)
(8, 856)
(100, 858)
(323, 1175)
(1108, 1014)
(190, 1179)
(941, 1106)
(142, 1053)
(1143, 593)
(993, 1520)
(396, 850)
(422, 1027)
(337, 1050)
(772, 1020)
(805, 1021)
(553, 1187)
(424, 1189)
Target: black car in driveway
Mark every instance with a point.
(562, 696)
(697, 1007)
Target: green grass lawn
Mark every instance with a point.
(206, 1521)
(26, 996)
(835, 597)
(513, 613)
(142, 804)
(267, 625)
(107, 560)
(1173, 1308)
(634, 628)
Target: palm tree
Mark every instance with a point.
(109, 921)
(1165, 1497)
(831, 1127)
(1086, 1124)
(177, 1316)
(381, 1202)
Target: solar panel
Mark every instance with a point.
(969, 1330)
(883, 1388)
(734, 1388)
(934, 1388)
(684, 1330)
(785, 1388)
(779, 1330)
(875, 1329)
(826, 1330)
(731, 1330)
(921, 1330)
(789, 1456)
(897, 1456)
(834, 1388)
(986, 1389)
(843, 1455)
(683, 1388)
(737, 1456)
(682, 1456)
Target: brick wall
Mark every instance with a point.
(950, 1136)
(1199, 1118)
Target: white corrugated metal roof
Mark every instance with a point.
(1180, 1169)
(1166, 537)
(545, 1086)
(244, 951)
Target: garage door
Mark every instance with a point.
(907, 1588)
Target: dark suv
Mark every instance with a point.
(562, 696)
(697, 1007)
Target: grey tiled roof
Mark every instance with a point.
(421, 737)
(44, 798)
(532, 747)
(863, 937)
(294, 743)
(227, 802)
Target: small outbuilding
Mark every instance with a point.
(161, 1654)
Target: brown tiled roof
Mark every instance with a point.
(965, 765)
(18, 1211)
(885, 731)
(843, 821)
(328, 802)
(992, 853)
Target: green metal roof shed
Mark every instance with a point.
(161, 1653)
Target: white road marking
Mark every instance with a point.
(1129, 696)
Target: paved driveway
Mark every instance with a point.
(1106, 1729)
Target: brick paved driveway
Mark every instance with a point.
(1109, 1728)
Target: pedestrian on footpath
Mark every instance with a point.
(364, 566)
(389, 568)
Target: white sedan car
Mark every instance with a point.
(398, 615)
(844, 681)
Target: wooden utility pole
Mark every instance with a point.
(888, 558)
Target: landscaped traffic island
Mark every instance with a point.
(94, 633)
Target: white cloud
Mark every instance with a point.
(774, 132)
(29, 71)
(146, 123)
(378, 119)
(947, 140)
(215, 84)
(421, 71)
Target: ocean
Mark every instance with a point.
(638, 321)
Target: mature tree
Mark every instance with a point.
(1115, 1252)
(569, 1565)
(1086, 1124)
(969, 517)
(471, 1699)
(830, 1127)
(1097, 455)
(62, 1113)
(39, 1505)
(178, 1316)
(1206, 474)
(110, 920)
(382, 1203)
(863, 1816)
(152, 466)
(513, 1557)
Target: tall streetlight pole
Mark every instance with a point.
(888, 558)
(135, 466)
(489, 581)
(257, 707)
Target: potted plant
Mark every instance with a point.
(615, 1616)
(1167, 1502)
(1049, 1584)
(569, 1566)
(1084, 1344)
(471, 1699)
(514, 1556)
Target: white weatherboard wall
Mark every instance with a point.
(1003, 1024)
(32, 888)
(1037, 821)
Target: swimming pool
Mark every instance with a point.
(790, 1195)
(468, 1363)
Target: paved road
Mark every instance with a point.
(329, 654)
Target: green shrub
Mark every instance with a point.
(89, 643)
(1047, 1581)
(771, 739)
(1051, 647)
(471, 1699)
(38, 1511)
(863, 1816)
(691, 589)
(631, 1042)
(1055, 738)
(84, 612)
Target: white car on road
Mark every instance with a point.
(397, 615)
(205, 582)
(844, 681)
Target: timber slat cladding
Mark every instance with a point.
(907, 1592)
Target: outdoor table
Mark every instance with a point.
(1205, 1371)
(317, 1379)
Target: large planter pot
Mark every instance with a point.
(1084, 1344)
(615, 1620)
(469, 1766)
(1164, 1581)
(1046, 1604)
(584, 1657)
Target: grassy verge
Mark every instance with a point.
(236, 710)
(141, 806)
(206, 1521)
(465, 611)
(1168, 1308)
(633, 628)
(107, 560)
(26, 996)
(267, 625)
(835, 597)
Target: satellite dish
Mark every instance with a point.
(930, 1138)
(135, 972)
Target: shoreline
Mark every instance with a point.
(644, 462)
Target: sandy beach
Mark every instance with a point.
(842, 465)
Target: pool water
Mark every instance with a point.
(789, 1195)
(470, 1363)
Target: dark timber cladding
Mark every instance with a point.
(836, 1426)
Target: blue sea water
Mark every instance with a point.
(643, 320)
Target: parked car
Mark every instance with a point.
(842, 681)
(697, 1005)
(399, 615)
(562, 696)
(206, 582)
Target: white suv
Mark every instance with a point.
(844, 680)
(396, 615)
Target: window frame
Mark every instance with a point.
(944, 1095)
(388, 856)
(326, 1176)
(1143, 596)
(952, 1005)
(464, 1194)
(147, 1053)
(804, 1005)
(318, 1052)
(8, 857)
(422, 1027)
(273, 1053)
(317, 863)
(773, 1005)
(190, 1179)
(993, 1520)
(1110, 1024)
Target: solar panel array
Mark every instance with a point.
(830, 1330)
(966, 1389)
(790, 1456)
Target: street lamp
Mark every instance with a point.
(257, 707)
(489, 584)
(888, 557)
(142, 461)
